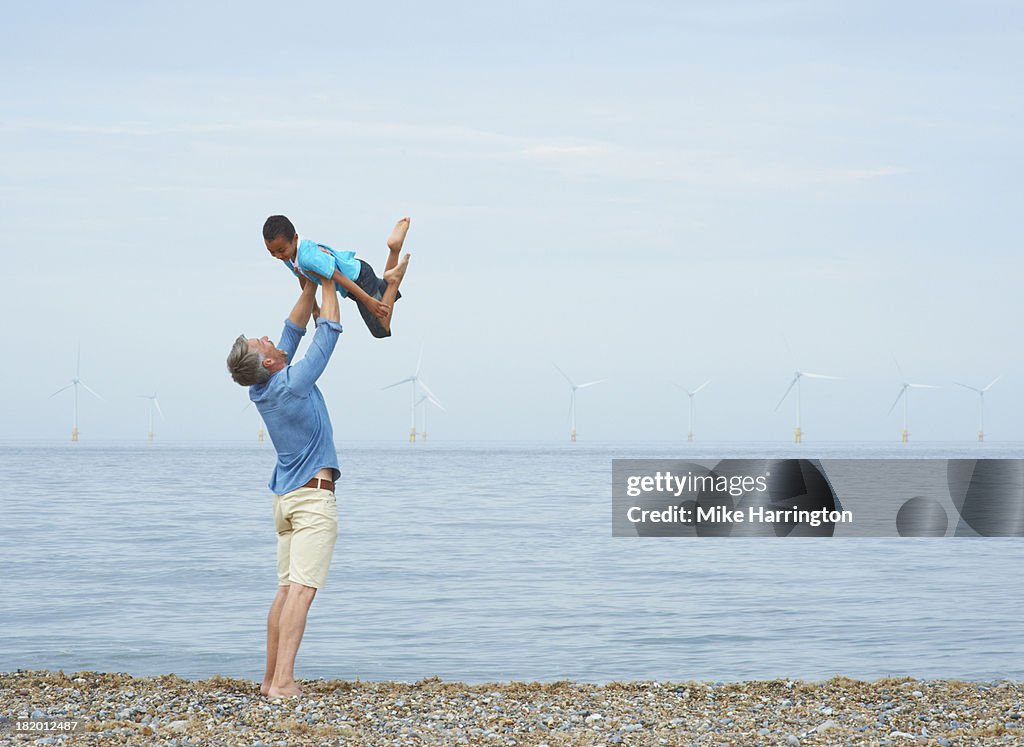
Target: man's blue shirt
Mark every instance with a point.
(294, 410)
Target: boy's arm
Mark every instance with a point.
(322, 264)
(378, 308)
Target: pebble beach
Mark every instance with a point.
(118, 709)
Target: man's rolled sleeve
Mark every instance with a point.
(303, 375)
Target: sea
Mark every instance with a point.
(476, 561)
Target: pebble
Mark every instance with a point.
(824, 726)
(174, 712)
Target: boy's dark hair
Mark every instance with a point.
(278, 225)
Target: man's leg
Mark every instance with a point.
(292, 625)
(273, 628)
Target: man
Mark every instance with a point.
(305, 511)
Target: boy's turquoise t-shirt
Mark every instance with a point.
(310, 259)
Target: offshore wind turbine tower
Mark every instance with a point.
(417, 383)
(981, 404)
(905, 394)
(572, 401)
(691, 395)
(75, 383)
(798, 434)
(152, 404)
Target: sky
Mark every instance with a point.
(650, 193)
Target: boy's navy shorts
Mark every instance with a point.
(374, 287)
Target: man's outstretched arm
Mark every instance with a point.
(303, 374)
(304, 306)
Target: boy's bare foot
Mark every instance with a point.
(396, 273)
(397, 237)
(290, 691)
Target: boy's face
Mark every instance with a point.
(282, 248)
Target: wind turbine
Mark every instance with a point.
(75, 382)
(424, 400)
(259, 418)
(572, 400)
(691, 395)
(152, 404)
(798, 435)
(981, 404)
(906, 398)
(416, 381)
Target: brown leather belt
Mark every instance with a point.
(320, 483)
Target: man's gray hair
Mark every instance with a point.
(245, 365)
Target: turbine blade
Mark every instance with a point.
(61, 390)
(973, 389)
(820, 376)
(923, 386)
(435, 403)
(902, 377)
(897, 399)
(791, 385)
(86, 387)
(699, 388)
(564, 375)
(997, 378)
(789, 350)
(427, 389)
(408, 378)
(591, 383)
(158, 408)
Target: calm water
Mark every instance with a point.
(474, 562)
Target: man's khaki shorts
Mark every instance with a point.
(306, 520)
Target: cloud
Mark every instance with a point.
(701, 167)
(565, 151)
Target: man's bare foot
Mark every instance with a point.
(289, 691)
(397, 237)
(265, 687)
(396, 273)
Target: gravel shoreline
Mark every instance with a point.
(117, 709)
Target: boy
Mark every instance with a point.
(352, 276)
